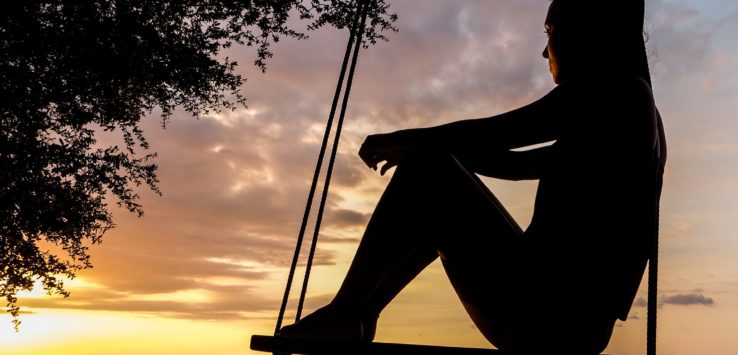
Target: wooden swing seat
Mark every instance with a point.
(281, 345)
(276, 344)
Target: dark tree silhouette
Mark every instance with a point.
(71, 70)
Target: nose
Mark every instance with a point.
(545, 52)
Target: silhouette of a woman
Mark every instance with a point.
(565, 280)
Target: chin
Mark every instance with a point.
(554, 76)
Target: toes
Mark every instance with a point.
(325, 323)
(286, 330)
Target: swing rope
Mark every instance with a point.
(354, 43)
(653, 267)
(362, 14)
(653, 258)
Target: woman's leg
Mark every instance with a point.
(464, 219)
(432, 205)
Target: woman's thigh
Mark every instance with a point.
(480, 244)
(485, 253)
(496, 269)
(454, 204)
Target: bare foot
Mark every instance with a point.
(328, 322)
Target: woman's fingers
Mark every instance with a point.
(388, 165)
(380, 147)
(374, 150)
(370, 157)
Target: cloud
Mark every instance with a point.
(344, 217)
(222, 308)
(451, 59)
(680, 38)
(640, 302)
(685, 299)
(688, 299)
(235, 183)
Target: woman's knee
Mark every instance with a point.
(439, 178)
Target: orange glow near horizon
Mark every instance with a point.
(87, 333)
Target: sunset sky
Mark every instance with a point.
(205, 267)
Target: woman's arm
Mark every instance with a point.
(510, 165)
(484, 141)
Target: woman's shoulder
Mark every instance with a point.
(628, 95)
(633, 87)
(617, 85)
(619, 106)
(596, 92)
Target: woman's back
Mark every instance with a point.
(597, 200)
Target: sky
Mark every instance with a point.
(205, 267)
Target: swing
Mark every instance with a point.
(281, 345)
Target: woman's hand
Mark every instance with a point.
(391, 148)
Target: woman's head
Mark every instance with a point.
(595, 38)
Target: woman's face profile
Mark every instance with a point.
(552, 51)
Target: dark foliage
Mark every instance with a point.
(72, 70)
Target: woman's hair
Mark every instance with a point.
(604, 34)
